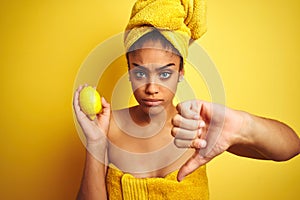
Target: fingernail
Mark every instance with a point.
(179, 179)
(202, 124)
(196, 117)
(203, 143)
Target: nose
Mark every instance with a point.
(152, 88)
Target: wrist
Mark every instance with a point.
(97, 149)
(243, 136)
(97, 142)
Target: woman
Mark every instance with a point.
(139, 138)
(137, 143)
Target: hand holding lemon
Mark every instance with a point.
(88, 106)
(90, 102)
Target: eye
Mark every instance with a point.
(140, 74)
(165, 75)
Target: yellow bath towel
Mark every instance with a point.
(124, 186)
(180, 21)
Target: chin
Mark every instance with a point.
(154, 110)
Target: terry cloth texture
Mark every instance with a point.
(179, 21)
(125, 186)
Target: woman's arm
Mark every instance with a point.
(93, 182)
(93, 185)
(264, 138)
(212, 129)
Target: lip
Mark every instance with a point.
(152, 102)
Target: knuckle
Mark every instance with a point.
(178, 143)
(178, 107)
(176, 120)
(174, 131)
(195, 124)
(194, 144)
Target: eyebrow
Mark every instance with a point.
(158, 69)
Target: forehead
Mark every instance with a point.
(153, 52)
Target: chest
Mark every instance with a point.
(151, 157)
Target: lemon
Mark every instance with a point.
(89, 101)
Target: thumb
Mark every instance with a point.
(105, 107)
(191, 165)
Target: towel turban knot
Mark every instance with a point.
(179, 21)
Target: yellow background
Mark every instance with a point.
(254, 44)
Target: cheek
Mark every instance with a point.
(138, 92)
(170, 85)
(137, 86)
(168, 92)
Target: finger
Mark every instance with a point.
(76, 94)
(184, 109)
(80, 87)
(198, 143)
(190, 109)
(195, 143)
(183, 143)
(105, 106)
(185, 134)
(76, 104)
(76, 100)
(190, 124)
(191, 165)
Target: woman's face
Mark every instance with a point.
(154, 74)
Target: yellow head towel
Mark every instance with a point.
(179, 21)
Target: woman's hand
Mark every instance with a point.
(208, 128)
(95, 131)
(212, 129)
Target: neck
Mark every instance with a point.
(165, 115)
